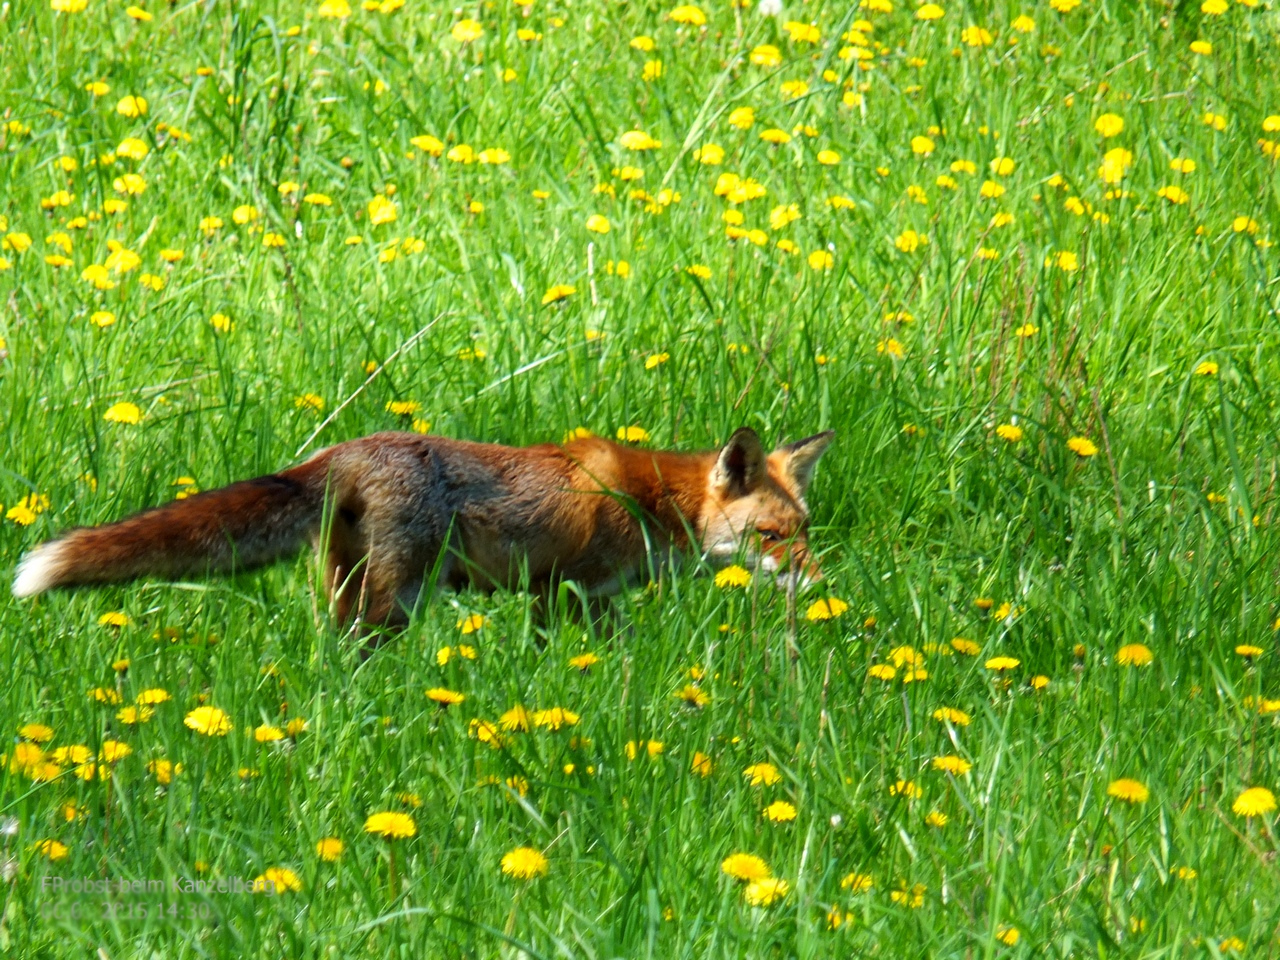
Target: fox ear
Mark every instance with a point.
(800, 459)
(740, 466)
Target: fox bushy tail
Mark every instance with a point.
(243, 525)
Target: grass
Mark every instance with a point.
(1164, 537)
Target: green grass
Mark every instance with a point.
(919, 509)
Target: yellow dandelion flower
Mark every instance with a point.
(525, 863)
(276, 881)
(1082, 446)
(905, 788)
(164, 770)
(36, 731)
(462, 153)
(766, 55)
(133, 715)
(762, 774)
(210, 721)
(51, 849)
(381, 210)
(856, 882)
(688, 14)
(428, 144)
(829, 609)
(132, 107)
(466, 31)
(391, 824)
(1115, 165)
(909, 241)
(922, 146)
(553, 718)
(77, 754)
(950, 715)
(710, 154)
(1134, 655)
(472, 623)
(1254, 802)
(780, 811)
(745, 866)
(766, 891)
(26, 756)
(693, 696)
(113, 751)
(444, 697)
(733, 576)
(1128, 790)
(1109, 125)
(131, 148)
(517, 718)
(123, 412)
(267, 733)
(952, 764)
(558, 292)
(638, 140)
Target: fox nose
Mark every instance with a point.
(807, 577)
(802, 570)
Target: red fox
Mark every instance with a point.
(387, 508)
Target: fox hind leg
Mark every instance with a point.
(403, 548)
(386, 533)
(344, 562)
(344, 581)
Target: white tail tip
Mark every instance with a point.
(37, 571)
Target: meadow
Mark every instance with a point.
(1020, 256)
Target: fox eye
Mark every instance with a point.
(770, 536)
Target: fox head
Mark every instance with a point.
(754, 506)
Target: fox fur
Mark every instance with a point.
(386, 509)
